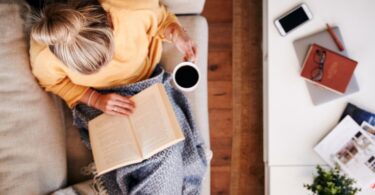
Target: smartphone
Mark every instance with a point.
(293, 19)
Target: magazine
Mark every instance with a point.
(352, 149)
(358, 114)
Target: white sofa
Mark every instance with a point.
(40, 150)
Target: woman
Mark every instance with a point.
(95, 56)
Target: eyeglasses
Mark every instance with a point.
(318, 72)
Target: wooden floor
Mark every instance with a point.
(235, 96)
(219, 17)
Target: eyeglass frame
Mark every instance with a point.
(318, 72)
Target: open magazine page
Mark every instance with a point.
(369, 129)
(352, 149)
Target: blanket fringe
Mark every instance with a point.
(97, 185)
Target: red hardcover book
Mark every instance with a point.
(328, 69)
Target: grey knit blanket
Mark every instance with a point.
(178, 169)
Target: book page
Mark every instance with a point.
(113, 142)
(153, 128)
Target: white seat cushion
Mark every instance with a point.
(197, 28)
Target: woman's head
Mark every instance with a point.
(81, 38)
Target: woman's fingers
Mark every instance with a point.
(119, 105)
(190, 57)
(190, 52)
(118, 109)
(111, 112)
(122, 110)
(126, 106)
(124, 99)
(195, 51)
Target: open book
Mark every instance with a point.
(118, 141)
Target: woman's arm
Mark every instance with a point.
(171, 30)
(53, 79)
(113, 104)
(178, 36)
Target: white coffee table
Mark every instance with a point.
(292, 124)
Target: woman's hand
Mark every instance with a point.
(114, 104)
(177, 35)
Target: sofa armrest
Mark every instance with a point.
(184, 6)
(197, 28)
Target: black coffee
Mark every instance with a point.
(186, 76)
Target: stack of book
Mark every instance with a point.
(328, 69)
(325, 65)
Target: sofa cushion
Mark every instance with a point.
(83, 188)
(78, 155)
(184, 6)
(32, 138)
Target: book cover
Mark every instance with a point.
(328, 69)
(352, 149)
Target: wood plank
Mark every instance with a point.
(224, 142)
(220, 36)
(220, 94)
(223, 7)
(220, 123)
(247, 171)
(220, 65)
(220, 180)
(222, 150)
(221, 157)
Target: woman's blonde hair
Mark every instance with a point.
(81, 38)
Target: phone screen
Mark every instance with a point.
(293, 19)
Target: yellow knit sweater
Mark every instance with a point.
(138, 33)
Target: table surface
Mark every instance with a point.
(293, 125)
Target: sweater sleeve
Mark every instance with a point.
(165, 19)
(52, 78)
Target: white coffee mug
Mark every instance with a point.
(186, 76)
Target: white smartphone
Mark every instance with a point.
(293, 19)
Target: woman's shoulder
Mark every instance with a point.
(37, 52)
(41, 57)
(36, 48)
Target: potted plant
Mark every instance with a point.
(332, 182)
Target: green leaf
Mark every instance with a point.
(331, 182)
